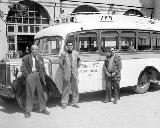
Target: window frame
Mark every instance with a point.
(42, 41)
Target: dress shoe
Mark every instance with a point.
(27, 114)
(106, 101)
(115, 96)
(115, 101)
(64, 106)
(76, 105)
(45, 112)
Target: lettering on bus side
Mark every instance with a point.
(89, 69)
(106, 18)
(151, 22)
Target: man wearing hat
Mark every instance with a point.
(70, 63)
(112, 68)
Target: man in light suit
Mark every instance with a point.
(70, 63)
(33, 69)
(112, 68)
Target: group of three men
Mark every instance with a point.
(70, 62)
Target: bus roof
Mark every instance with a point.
(94, 22)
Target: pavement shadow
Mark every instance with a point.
(10, 107)
(154, 87)
(54, 102)
(92, 96)
(100, 95)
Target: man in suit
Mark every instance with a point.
(26, 52)
(33, 69)
(70, 63)
(112, 68)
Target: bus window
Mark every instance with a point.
(88, 42)
(156, 41)
(128, 41)
(109, 39)
(50, 45)
(46, 48)
(41, 45)
(144, 41)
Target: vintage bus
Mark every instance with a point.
(137, 41)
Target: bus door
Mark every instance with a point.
(90, 71)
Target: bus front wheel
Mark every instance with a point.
(143, 83)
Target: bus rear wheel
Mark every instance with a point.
(143, 83)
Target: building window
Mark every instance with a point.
(26, 22)
(31, 29)
(37, 29)
(10, 28)
(11, 43)
(25, 29)
(19, 28)
(85, 8)
(34, 13)
(133, 12)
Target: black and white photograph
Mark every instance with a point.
(79, 63)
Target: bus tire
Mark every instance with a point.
(140, 89)
(143, 83)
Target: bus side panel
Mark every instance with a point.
(91, 76)
(132, 68)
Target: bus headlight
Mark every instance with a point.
(15, 71)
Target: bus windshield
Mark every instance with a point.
(49, 45)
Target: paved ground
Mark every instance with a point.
(132, 111)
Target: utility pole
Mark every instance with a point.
(60, 6)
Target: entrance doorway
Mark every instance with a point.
(24, 41)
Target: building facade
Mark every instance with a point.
(26, 17)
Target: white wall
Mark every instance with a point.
(3, 39)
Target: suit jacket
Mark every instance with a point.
(69, 66)
(116, 67)
(27, 64)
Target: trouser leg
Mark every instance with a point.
(74, 89)
(115, 91)
(65, 91)
(40, 94)
(108, 90)
(118, 88)
(30, 89)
